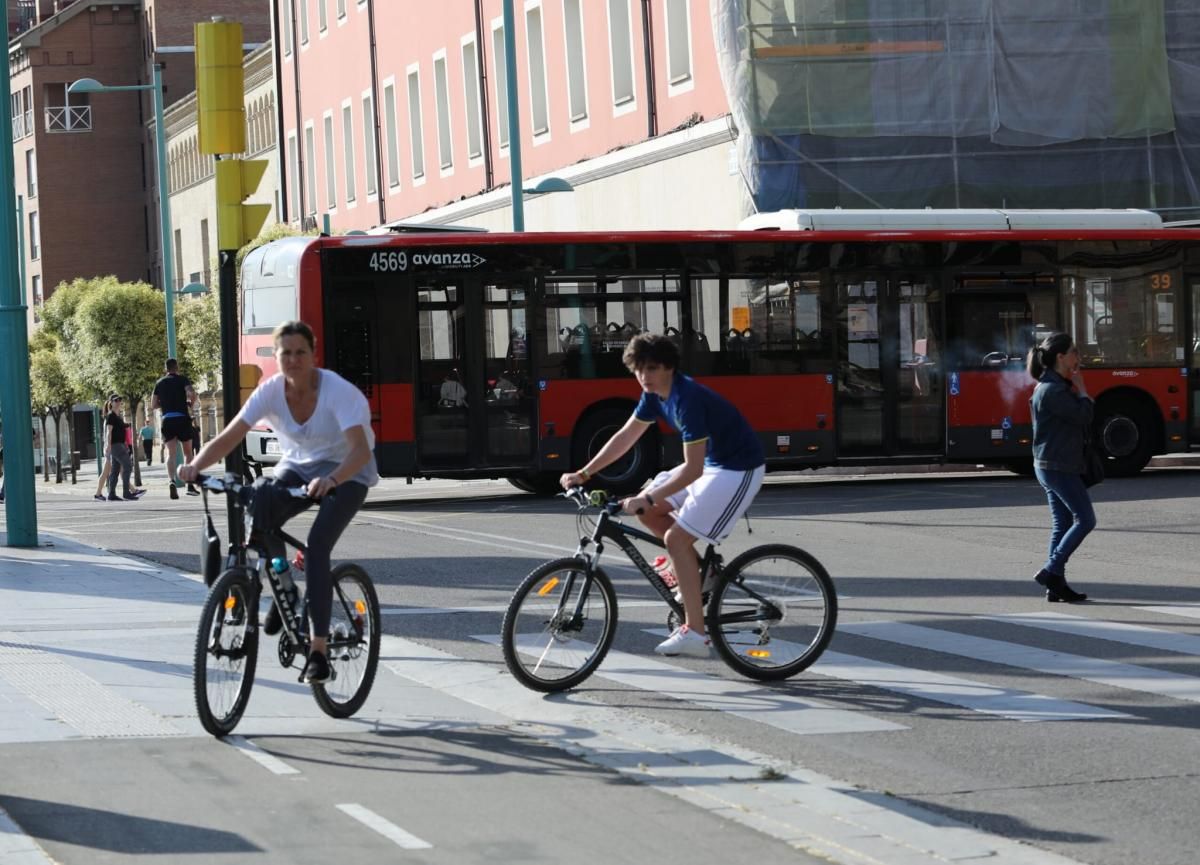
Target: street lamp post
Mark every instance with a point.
(91, 85)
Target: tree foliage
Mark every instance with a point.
(198, 326)
(122, 333)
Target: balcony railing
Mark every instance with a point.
(22, 125)
(69, 118)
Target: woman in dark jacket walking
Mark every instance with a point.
(1062, 414)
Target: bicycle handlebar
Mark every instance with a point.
(594, 499)
(230, 484)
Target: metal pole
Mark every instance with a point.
(230, 379)
(164, 208)
(20, 505)
(514, 118)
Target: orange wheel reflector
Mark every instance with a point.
(230, 602)
(360, 608)
(549, 587)
(758, 653)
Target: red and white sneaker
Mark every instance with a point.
(685, 641)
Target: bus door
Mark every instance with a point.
(351, 336)
(890, 389)
(1193, 355)
(474, 406)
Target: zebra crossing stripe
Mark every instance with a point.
(1189, 611)
(1119, 632)
(976, 696)
(1109, 673)
(788, 712)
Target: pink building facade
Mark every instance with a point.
(393, 110)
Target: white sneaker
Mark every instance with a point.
(684, 641)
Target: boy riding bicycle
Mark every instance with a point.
(702, 498)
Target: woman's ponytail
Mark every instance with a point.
(1044, 355)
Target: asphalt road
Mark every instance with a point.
(951, 685)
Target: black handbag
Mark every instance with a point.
(1093, 464)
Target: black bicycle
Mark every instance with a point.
(770, 612)
(227, 643)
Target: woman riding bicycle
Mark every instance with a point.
(722, 470)
(324, 427)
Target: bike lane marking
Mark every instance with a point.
(17, 848)
(805, 809)
(384, 827)
(269, 762)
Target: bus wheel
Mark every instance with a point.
(630, 471)
(1126, 432)
(538, 483)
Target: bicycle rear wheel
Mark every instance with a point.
(773, 612)
(226, 651)
(559, 625)
(354, 632)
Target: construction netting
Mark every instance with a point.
(965, 103)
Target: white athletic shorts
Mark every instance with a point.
(709, 508)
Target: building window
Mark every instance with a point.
(576, 64)
(66, 112)
(205, 253)
(620, 51)
(303, 21)
(470, 66)
(36, 284)
(679, 42)
(310, 169)
(372, 158)
(293, 177)
(414, 123)
(22, 113)
(501, 85)
(393, 143)
(537, 71)
(330, 170)
(442, 91)
(348, 149)
(341, 13)
(322, 15)
(35, 236)
(178, 260)
(286, 9)
(31, 174)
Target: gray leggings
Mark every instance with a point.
(120, 457)
(273, 507)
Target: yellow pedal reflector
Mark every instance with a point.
(360, 608)
(758, 653)
(549, 587)
(230, 602)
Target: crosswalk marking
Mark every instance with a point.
(386, 828)
(739, 697)
(1135, 635)
(977, 696)
(1190, 611)
(1111, 673)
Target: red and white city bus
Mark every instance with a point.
(845, 337)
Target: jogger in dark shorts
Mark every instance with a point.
(173, 395)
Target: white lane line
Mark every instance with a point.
(269, 762)
(1118, 632)
(1110, 673)
(490, 608)
(804, 809)
(1190, 611)
(793, 714)
(17, 848)
(384, 827)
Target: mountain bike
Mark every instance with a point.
(769, 613)
(227, 643)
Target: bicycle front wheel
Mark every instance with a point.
(559, 626)
(226, 651)
(354, 630)
(773, 612)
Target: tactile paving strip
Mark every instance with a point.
(76, 699)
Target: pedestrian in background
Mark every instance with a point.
(147, 434)
(1062, 414)
(174, 396)
(102, 481)
(118, 451)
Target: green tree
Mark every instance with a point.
(59, 321)
(198, 325)
(122, 332)
(52, 392)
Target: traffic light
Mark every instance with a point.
(220, 87)
(239, 223)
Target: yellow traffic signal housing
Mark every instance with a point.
(220, 87)
(238, 223)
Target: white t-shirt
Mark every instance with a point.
(315, 447)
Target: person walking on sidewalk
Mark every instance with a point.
(106, 460)
(174, 396)
(147, 434)
(118, 453)
(1062, 413)
(324, 427)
